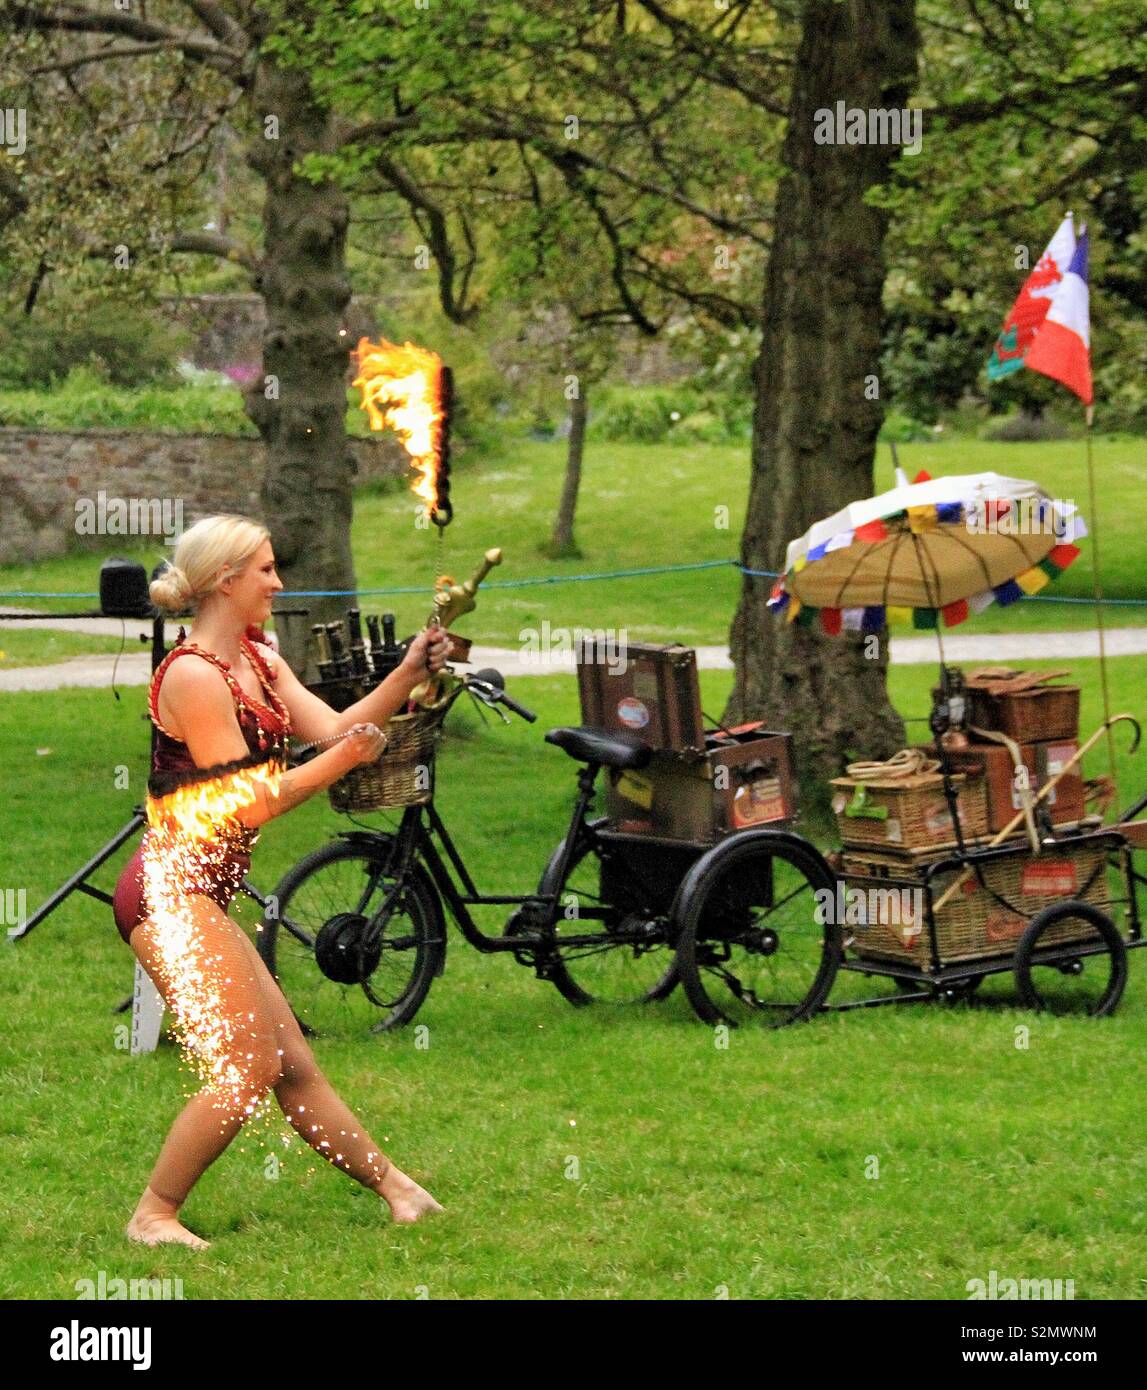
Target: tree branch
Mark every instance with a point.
(106, 54)
(213, 244)
(211, 124)
(13, 200)
(347, 133)
(976, 111)
(581, 186)
(507, 129)
(77, 19)
(438, 235)
(719, 66)
(226, 30)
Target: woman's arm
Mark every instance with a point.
(363, 744)
(313, 719)
(204, 707)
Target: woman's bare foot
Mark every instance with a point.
(156, 1222)
(407, 1201)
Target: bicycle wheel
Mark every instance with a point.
(1051, 976)
(758, 940)
(600, 896)
(352, 949)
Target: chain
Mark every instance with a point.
(298, 748)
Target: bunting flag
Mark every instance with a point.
(1062, 347)
(1032, 304)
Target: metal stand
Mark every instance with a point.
(147, 1009)
(79, 880)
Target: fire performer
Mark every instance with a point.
(218, 774)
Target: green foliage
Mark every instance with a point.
(899, 428)
(680, 414)
(1027, 112)
(115, 343)
(84, 400)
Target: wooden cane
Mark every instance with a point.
(965, 874)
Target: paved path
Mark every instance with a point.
(133, 666)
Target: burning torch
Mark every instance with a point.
(409, 390)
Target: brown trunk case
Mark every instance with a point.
(1039, 714)
(656, 695)
(1042, 760)
(739, 782)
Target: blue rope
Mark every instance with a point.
(577, 579)
(421, 588)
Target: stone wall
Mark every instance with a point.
(44, 475)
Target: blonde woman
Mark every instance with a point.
(222, 721)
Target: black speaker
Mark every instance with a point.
(123, 590)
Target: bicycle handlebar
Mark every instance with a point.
(493, 691)
(527, 714)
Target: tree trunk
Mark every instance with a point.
(563, 537)
(814, 430)
(299, 405)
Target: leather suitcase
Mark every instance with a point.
(1042, 760)
(742, 781)
(654, 692)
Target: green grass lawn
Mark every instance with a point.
(699, 1169)
(649, 505)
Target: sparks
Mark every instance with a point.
(192, 836)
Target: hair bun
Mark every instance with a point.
(171, 589)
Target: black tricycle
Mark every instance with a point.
(356, 931)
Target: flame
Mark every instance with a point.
(197, 811)
(402, 390)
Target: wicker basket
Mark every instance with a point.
(404, 774)
(1028, 716)
(972, 924)
(908, 813)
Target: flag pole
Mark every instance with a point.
(1097, 586)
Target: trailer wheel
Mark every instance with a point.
(757, 935)
(1071, 959)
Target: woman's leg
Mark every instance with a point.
(198, 959)
(313, 1107)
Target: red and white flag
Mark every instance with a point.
(1032, 303)
(1061, 348)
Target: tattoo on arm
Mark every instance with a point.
(291, 792)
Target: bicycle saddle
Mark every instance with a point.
(602, 746)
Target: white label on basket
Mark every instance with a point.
(892, 830)
(907, 933)
(938, 818)
(1017, 802)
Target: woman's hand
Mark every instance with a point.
(364, 744)
(427, 653)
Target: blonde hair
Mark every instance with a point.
(209, 551)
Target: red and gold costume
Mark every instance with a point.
(188, 804)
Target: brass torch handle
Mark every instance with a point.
(452, 602)
(492, 557)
